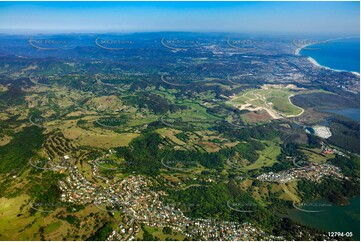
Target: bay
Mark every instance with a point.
(338, 54)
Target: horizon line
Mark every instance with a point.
(84, 32)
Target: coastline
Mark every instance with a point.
(315, 63)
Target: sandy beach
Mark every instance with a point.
(314, 62)
(355, 73)
(297, 51)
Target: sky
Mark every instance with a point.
(341, 18)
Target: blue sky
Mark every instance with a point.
(259, 17)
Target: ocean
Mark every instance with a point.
(339, 54)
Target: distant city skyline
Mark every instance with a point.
(337, 18)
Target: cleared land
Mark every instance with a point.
(274, 99)
(268, 156)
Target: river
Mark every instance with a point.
(333, 218)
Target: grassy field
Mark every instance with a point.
(195, 111)
(273, 99)
(16, 223)
(267, 156)
(170, 133)
(203, 139)
(52, 227)
(290, 191)
(314, 155)
(283, 191)
(4, 140)
(15, 218)
(157, 232)
(100, 138)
